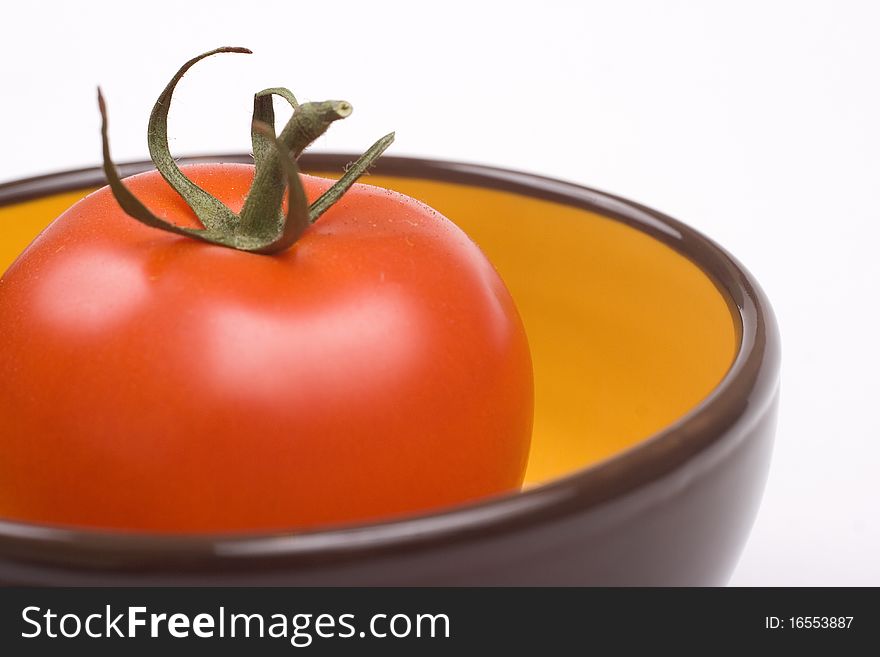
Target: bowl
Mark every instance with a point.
(656, 359)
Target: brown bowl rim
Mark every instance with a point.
(741, 397)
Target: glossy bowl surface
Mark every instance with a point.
(656, 371)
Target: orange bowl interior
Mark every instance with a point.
(627, 335)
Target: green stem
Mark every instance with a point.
(260, 227)
(355, 171)
(264, 112)
(128, 201)
(309, 121)
(209, 210)
(297, 219)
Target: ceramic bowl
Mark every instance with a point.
(656, 360)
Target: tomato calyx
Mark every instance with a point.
(260, 227)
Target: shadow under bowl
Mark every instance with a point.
(656, 360)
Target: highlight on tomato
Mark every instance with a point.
(239, 348)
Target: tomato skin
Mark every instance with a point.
(154, 383)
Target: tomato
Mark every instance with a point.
(153, 382)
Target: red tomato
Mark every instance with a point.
(152, 382)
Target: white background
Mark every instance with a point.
(755, 122)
